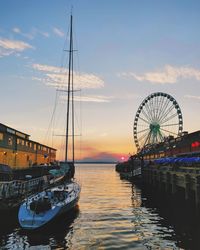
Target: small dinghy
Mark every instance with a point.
(41, 208)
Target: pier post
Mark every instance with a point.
(154, 178)
(174, 183)
(160, 180)
(197, 191)
(187, 186)
(168, 182)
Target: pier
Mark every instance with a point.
(174, 180)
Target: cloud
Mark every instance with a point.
(58, 32)
(192, 97)
(16, 30)
(169, 74)
(57, 77)
(32, 34)
(46, 68)
(43, 33)
(8, 47)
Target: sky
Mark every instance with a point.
(126, 50)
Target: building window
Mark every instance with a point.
(1, 136)
(10, 141)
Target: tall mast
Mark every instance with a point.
(72, 103)
(70, 72)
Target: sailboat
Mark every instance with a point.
(41, 208)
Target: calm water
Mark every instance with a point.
(112, 214)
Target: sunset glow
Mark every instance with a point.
(118, 63)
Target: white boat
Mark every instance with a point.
(39, 209)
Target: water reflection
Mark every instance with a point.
(56, 235)
(112, 214)
(176, 214)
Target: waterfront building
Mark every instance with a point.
(186, 144)
(18, 151)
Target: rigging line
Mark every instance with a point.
(51, 123)
(163, 108)
(61, 85)
(81, 85)
(76, 45)
(168, 131)
(81, 123)
(68, 135)
(169, 118)
(77, 123)
(69, 88)
(51, 120)
(73, 153)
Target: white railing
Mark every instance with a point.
(17, 187)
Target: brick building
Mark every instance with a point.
(18, 151)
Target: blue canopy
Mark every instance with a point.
(178, 160)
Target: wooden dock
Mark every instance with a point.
(173, 179)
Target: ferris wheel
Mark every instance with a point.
(158, 117)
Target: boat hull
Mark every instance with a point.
(29, 220)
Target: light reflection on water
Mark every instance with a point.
(110, 216)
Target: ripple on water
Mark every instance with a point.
(110, 216)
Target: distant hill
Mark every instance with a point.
(96, 162)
